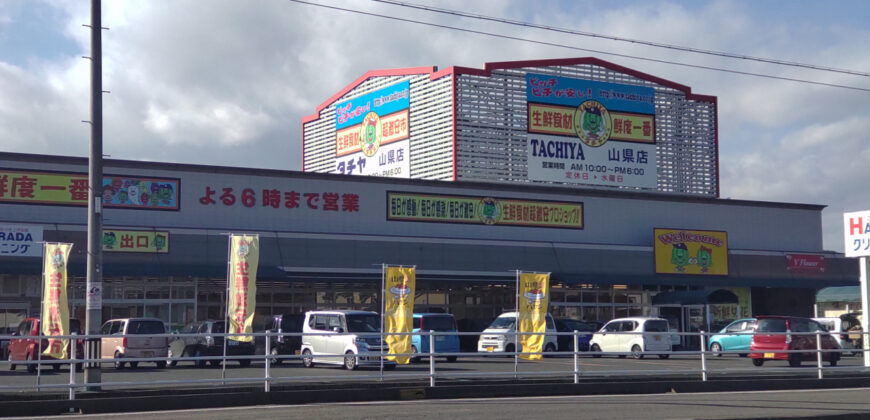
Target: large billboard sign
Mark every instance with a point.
(683, 251)
(593, 133)
(857, 233)
(20, 240)
(372, 133)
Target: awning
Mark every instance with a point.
(695, 297)
(839, 294)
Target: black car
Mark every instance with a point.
(585, 328)
(283, 344)
(205, 344)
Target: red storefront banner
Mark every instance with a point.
(805, 263)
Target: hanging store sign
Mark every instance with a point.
(857, 233)
(593, 133)
(20, 240)
(415, 207)
(681, 251)
(805, 263)
(372, 133)
(146, 241)
(119, 191)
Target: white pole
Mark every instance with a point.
(865, 311)
(819, 352)
(576, 359)
(227, 309)
(72, 369)
(703, 356)
(41, 311)
(268, 362)
(432, 358)
(815, 310)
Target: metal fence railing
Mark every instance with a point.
(370, 349)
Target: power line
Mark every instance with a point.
(553, 44)
(616, 38)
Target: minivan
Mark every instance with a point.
(633, 335)
(287, 340)
(338, 337)
(499, 337)
(208, 343)
(24, 346)
(134, 338)
(774, 334)
(444, 343)
(845, 329)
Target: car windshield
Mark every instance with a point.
(656, 326)
(503, 322)
(438, 323)
(291, 323)
(146, 327)
(363, 323)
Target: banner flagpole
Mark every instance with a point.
(517, 325)
(383, 311)
(41, 310)
(227, 310)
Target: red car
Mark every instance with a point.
(22, 347)
(774, 334)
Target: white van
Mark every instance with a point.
(633, 335)
(496, 337)
(845, 329)
(337, 337)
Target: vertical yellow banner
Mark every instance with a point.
(244, 257)
(534, 300)
(55, 307)
(400, 284)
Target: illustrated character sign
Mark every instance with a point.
(370, 134)
(680, 257)
(592, 123)
(489, 212)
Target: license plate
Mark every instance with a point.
(489, 349)
(658, 337)
(148, 354)
(769, 355)
(440, 338)
(232, 343)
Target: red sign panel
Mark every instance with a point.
(805, 263)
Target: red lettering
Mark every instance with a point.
(855, 224)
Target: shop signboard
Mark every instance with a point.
(145, 241)
(20, 240)
(857, 233)
(683, 251)
(414, 207)
(806, 263)
(593, 133)
(372, 133)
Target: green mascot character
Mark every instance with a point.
(680, 257)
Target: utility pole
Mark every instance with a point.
(94, 285)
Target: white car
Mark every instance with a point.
(497, 338)
(337, 337)
(633, 335)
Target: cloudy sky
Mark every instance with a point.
(226, 82)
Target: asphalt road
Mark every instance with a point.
(292, 372)
(850, 403)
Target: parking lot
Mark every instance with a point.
(465, 369)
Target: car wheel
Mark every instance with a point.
(118, 363)
(414, 359)
(161, 364)
(350, 362)
(636, 352)
(307, 359)
(596, 349)
(31, 367)
(509, 349)
(716, 349)
(452, 359)
(134, 365)
(794, 360)
(11, 365)
(757, 362)
(245, 362)
(198, 362)
(549, 349)
(274, 353)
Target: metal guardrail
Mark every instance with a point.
(703, 351)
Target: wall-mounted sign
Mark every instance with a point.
(682, 251)
(31, 187)
(372, 133)
(587, 132)
(20, 240)
(805, 263)
(147, 241)
(857, 232)
(483, 210)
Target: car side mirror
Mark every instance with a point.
(337, 329)
(14, 333)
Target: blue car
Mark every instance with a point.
(444, 343)
(735, 337)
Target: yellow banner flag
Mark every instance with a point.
(534, 300)
(55, 307)
(400, 284)
(244, 257)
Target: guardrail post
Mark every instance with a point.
(516, 351)
(576, 358)
(72, 370)
(268, 363)
(431, 358)
(703, 356)
(39, 349)
(819, 353)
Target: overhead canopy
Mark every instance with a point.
(695, 297)
(839, 294)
